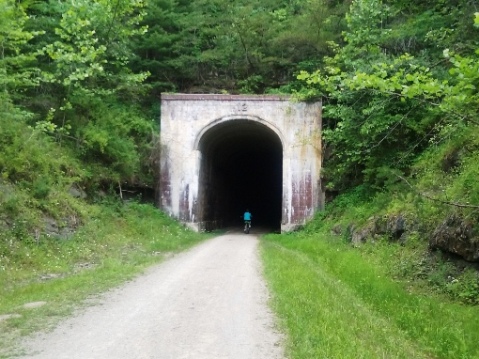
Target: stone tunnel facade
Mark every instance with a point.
(196, 132)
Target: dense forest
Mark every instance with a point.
(80, 82)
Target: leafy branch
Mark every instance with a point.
(422, 194)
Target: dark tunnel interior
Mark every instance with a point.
(241, 168)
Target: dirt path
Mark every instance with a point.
(209, 302)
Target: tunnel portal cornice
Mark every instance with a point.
(223, 97)
(192, 123)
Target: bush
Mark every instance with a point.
(465, 287)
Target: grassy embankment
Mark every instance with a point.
(116, 244)
(334, 301)
(384, 298)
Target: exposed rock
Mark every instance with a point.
(380, 225)
(337, 230)
(359, 236)
(51, 226)
(77, 192)
(394, 227)
(456, 235)
(68, 225)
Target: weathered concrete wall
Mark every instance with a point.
(186, 118)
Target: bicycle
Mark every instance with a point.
(247, 226)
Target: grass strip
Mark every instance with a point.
(334, 303)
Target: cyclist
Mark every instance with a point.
(247, 216)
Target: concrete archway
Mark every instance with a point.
(223, 153)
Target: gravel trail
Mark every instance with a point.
(207, 303)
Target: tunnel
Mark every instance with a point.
(241, 168)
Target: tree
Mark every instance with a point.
(16, 70)
(381, 108)
(84, 57)
(217, 46)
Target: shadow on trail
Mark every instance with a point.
(254, 231)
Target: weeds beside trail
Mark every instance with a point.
(116, 244)
(333, 302)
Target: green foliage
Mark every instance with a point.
(41, 188)
(113, 135)
(466, 287)
(84, 96)
(92, 45)
(252, 84)
(442, 183)
(16, 72)
(23, 155)
(88, 52)
(382, 107)
(351, 199)
(446, 172)
(34, 177)
(215, 46)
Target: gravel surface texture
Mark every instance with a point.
(206, 303)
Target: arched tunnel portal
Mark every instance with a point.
(222, 154)
(241, 168)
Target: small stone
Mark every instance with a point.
(49, 276)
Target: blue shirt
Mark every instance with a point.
(247, 216)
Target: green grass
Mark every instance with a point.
(333, 301)
(115, 245)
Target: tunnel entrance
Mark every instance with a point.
(241, 167)
(221, 154)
